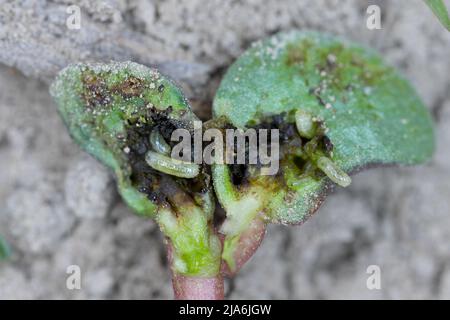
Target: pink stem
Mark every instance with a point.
(249, 242)
(196, 288)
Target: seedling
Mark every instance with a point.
(440, 10)
(4, 249)
(124, 114)
(337, 107)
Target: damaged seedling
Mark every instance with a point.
(124, 115)
(338, 108)
(332, 106)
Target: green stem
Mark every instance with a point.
(5, 251)
(196, 249)
(242, 210)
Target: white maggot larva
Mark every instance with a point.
(305, 124)
(336, 174)
(158, 143)
(174, 167)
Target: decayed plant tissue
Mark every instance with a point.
(329, 88)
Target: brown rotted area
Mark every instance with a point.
(289, 142)
(95, 91)
(144, 178)
(240, 172)
(131, 87)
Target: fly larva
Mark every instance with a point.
(336, 174)
(158, 143)
(305, 124)
(174, 167)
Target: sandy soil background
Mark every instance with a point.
(59, 207)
